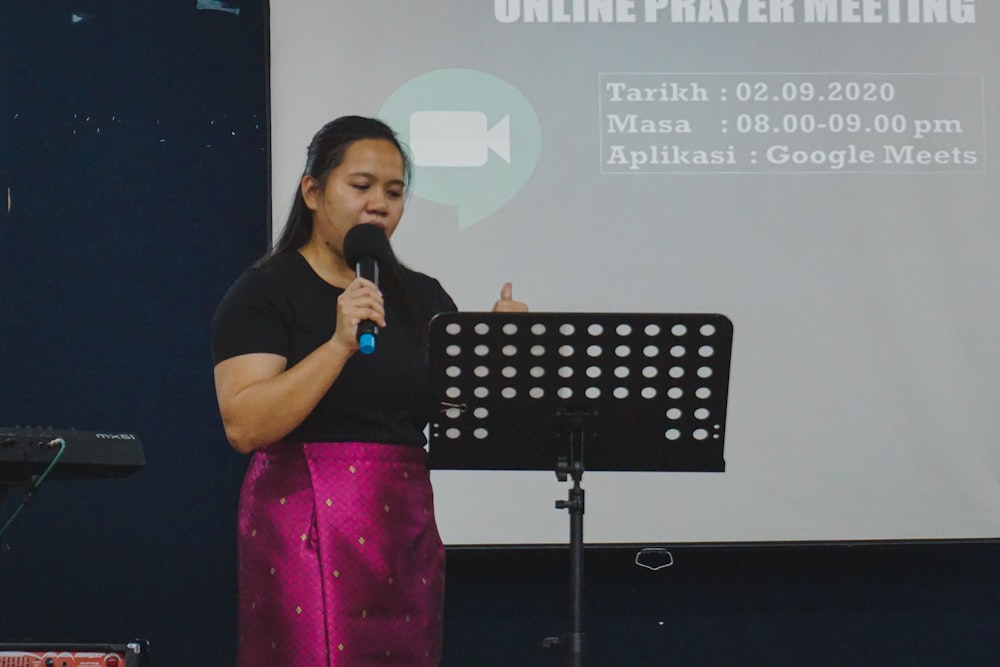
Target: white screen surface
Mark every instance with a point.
(819, 172)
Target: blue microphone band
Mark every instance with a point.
(367, 343)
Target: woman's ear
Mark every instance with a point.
(310, 189)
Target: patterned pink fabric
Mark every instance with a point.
(340, 562)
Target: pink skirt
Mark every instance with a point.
(340, 561)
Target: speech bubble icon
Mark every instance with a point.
(474, 138)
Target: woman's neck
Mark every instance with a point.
(327, 264)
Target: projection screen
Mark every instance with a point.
(815, 170)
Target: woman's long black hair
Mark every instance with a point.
(325, 153)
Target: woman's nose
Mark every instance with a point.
(377, 200)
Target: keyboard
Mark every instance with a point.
(26, 452)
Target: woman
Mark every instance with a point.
(340, 562)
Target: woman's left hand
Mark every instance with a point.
(506, 302)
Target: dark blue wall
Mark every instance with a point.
(135, 143)
(816, 606)
(136, 149)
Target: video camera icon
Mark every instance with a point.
(457, 138)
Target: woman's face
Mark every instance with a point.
(367, 187)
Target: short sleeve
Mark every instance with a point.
(442, 301)
(252, 317)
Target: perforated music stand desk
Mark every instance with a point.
(579, 391)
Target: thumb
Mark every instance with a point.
(507, 292)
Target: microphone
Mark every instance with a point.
(365, 247)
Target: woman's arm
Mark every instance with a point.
(262, 401)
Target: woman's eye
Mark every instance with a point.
(358, 186)
(395, 194)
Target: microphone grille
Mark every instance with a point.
(366, 240)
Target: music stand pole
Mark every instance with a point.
(577, 423)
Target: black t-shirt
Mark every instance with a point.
(283, 307)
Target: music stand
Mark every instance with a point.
(536, 391)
